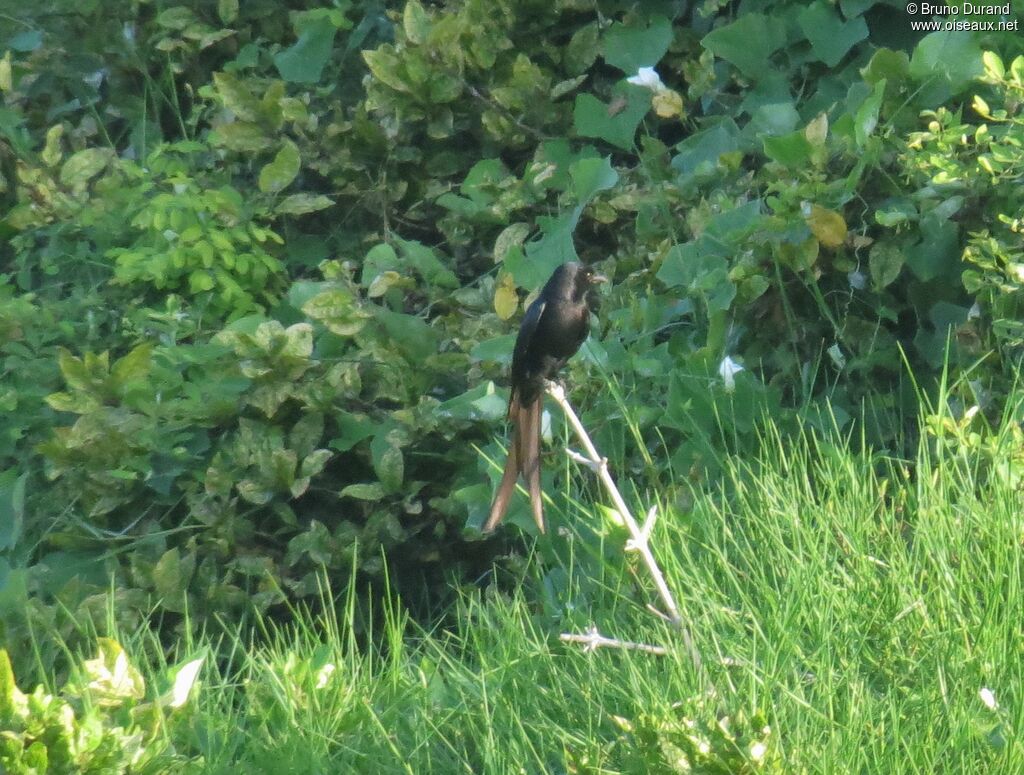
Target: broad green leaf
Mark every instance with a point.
(886, 65)
(352, 429)
(372, 491)
(831, 37)
(227, 10)
(792, 150)
(409, 333)
(640, 43)
(300, 204)
(12, 508)
(241, 136)
(236, 96)
(425, 261)
(615, 123)
(748, 42)
(279, 173)
(592, 176)
(954, 56)
(133, 366)
(513, 235)
(885, 261)
(866, 118)
(305, 435)
(304, 62)
(388, 462)
(415, 22)
(82, 166)
(171, 576)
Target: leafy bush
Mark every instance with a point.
(254, 313)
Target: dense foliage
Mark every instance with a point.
(262, 264)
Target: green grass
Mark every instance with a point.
(858, 603)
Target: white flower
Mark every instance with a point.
(323, 675)
(857, 280)
(836, 354)
(988, 698)
(648, 78)
(757, 751)
(727, 370)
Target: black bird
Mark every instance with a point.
(552, 330)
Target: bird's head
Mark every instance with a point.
(585, 278)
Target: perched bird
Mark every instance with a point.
(552, 330)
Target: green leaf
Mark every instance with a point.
(373, 491)
(591, 176)
(388, 462)
(82, 166)
(133, 366)
(415, 22)
(279, 173)
(241, 136)
(954, 56)
(425, 261)
(640, 43)
(512, 235)
(885, 261)
(866, 118)
(829, 35)
(305, 435)
(304, 62)
(236, 96)
(792, 150)
(338, 310)
(171, 576)
(12, 508)
(410, 334)
(300, 204)
(748, 42)
(352, 429)
(886, 65)
(615, 123)
(227, 10)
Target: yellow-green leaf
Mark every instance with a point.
(667, 103)
(300, 204)
(514, 234)
(415, 22)
(52, 152)
(506, 301)
(6, 75)
(227, 10)
(82, 166)
(817, 131)
(827, 225)
(282, 170)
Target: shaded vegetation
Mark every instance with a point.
(260, 265)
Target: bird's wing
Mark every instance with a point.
(527, 331)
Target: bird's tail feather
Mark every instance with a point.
(523, 457)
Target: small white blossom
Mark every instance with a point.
(988, 698)
(324, 675)
(727, 370)
(757, 751)
(648, 78)
(857, 280)
(836, 354)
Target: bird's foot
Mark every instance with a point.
(555, 388)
